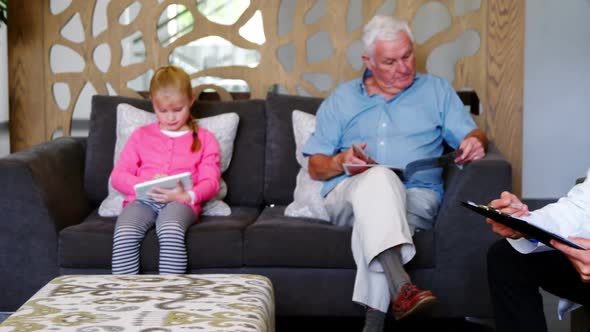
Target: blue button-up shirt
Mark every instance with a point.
(410, 126)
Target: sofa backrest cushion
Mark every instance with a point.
(281, 166)
(100, 146)
(244, 177)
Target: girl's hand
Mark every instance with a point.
(177, 194)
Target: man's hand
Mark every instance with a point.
(579, 258)
(472, 150)
(359, 152)
(162, 195)
(354, 156)
(357, 157)
(322, 167)
(474, 147)
(510, 204)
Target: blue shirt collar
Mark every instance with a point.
(368, 73)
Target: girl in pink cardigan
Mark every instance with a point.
(170, 146)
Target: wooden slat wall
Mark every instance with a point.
(505, 81)
(26, 63)
(495, 71)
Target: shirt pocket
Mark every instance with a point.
(417, 119)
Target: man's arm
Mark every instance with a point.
(481, 136)
(322, 167)
(474, 146)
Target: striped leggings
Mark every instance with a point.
(172, 222)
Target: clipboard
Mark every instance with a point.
(532, 231)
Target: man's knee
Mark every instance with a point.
(378, 184)
(422, 202)
(381, 175)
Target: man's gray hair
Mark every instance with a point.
(383, 28)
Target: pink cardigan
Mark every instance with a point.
(149, 151)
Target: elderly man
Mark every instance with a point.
(397, 115)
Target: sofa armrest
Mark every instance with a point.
(462, 235)
(42, 192)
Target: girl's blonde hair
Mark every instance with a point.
(172, 77)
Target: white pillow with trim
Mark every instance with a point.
(308, 202)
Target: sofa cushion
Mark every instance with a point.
(244, 177)
(282, 167)
(307, 200)
(275, 240)
(101, 143)
(214, 242)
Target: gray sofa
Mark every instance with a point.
(49, 226)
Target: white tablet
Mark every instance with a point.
(167, 182)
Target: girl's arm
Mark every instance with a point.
(123, 176)
(208, 171)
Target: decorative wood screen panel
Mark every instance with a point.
(45, 98)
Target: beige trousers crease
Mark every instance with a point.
(374, 204)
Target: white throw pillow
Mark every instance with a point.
(224, 127)
(308, 202)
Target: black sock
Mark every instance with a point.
(374, 321)
(394, 270)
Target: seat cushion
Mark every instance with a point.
(275, 240)
(214, 242)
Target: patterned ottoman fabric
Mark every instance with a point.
(206, 302)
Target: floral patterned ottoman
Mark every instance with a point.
(200, 302)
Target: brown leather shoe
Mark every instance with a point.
(410, 300)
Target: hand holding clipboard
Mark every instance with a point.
(520, 225)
